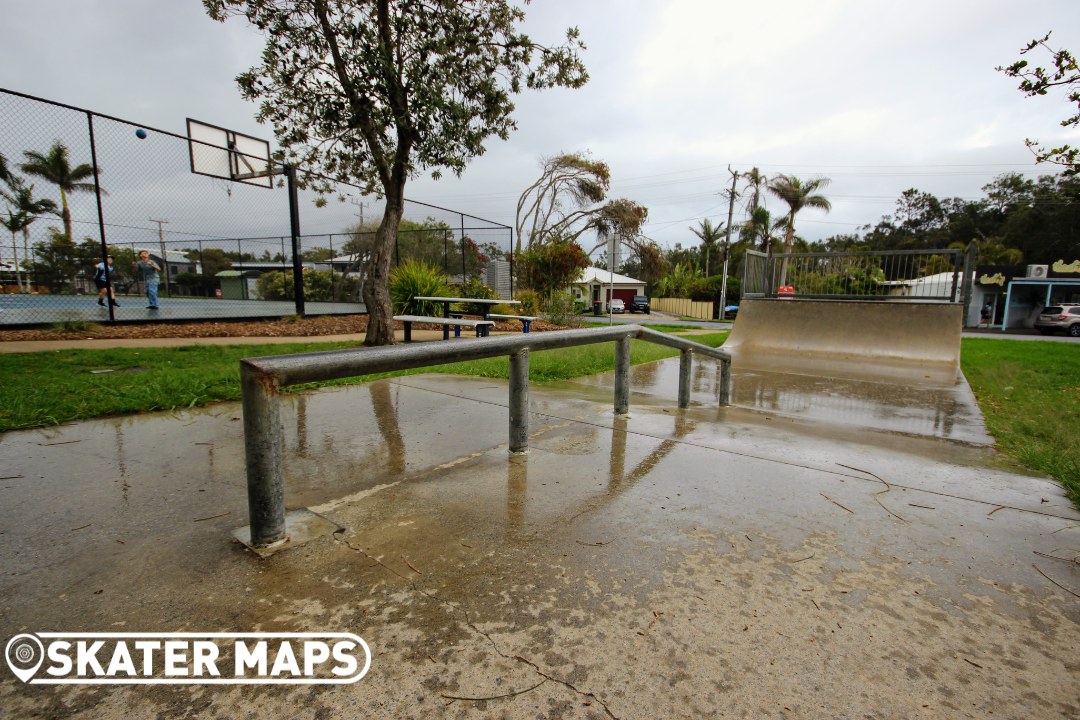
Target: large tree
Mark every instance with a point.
(569, 200)
(798, 195)
(563, 200)
(1038, 80)
(374, 91)
(54, 166)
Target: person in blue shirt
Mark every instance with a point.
(101, 270)
(149, 270)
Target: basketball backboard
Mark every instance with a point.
(222, 153)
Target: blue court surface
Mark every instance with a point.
(46, 309)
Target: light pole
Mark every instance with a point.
(727, 240)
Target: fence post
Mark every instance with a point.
(109, 300)
(622, 376)
(970, 256)
(686, 360)
(263, 450)
(519, 402)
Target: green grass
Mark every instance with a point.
(62, 386)
(1029, 393)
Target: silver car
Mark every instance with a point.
(1059, 318)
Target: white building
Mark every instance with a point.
(597, 285)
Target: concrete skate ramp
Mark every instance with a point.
(914, 341)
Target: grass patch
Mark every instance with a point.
(58, 387)
(74, 326)
(1029, 393)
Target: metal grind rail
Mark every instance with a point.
(263, 377)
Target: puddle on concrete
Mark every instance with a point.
(912, 406)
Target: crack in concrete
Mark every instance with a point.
(468, 621)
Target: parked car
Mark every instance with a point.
(617, 306)
(640, 303)
(1059, 318)
(731, 312)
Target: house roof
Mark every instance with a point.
(595, 274)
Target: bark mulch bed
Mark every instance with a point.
(303, 327)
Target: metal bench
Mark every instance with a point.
(481, 326)
(526, 320)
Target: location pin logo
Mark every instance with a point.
(24, 655)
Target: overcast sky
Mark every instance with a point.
(878, 96)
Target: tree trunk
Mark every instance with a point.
(65, 214)
(789, 240)
(26, 258)
(15, 257)
(376, 288)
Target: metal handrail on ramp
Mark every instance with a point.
(262, 378)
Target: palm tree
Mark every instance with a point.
(757, 231)
(709, 237)
(755, 182)
(14, 223)
(798, 195)
(55, 167)
(22, 214)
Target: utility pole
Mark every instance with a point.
(361, 204)
(164, 257)
(727, 239)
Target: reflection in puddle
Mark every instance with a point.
(386, 419)
(914, 409)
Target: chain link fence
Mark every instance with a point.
(889, 275)
(225, 249)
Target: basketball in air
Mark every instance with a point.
(141, 134)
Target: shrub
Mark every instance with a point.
(414, 278)
(474, 287)
(530, 301)
(552, 266)
(559, 309)
(274, 286)
(319, 285)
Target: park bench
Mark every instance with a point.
(526, 320)
(481, 326)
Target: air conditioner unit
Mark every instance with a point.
(1037, 271)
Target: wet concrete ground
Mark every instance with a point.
(812, 552)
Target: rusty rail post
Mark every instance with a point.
(262, 449)
(622, 376)
(686, 360)
(725, 381)
(519, 402)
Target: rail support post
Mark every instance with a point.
(519, 402)
(725, 382)
(686, 361)
(263, 450)
(622, 376)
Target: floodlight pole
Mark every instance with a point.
(294, 230)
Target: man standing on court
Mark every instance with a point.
(149, 270)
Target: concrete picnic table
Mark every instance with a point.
(486, 305)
